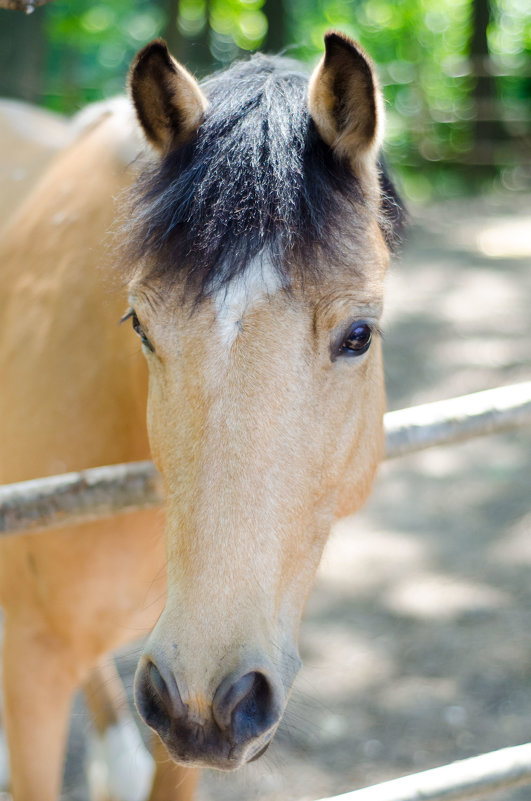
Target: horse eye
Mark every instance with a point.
(137, 328)
(357, 340)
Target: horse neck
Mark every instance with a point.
(76, 386)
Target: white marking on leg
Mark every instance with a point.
(119, 765)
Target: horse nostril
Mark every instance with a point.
(158, 684)
(247, 707)
(253, 714)
(157, 702)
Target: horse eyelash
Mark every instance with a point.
(127, 316)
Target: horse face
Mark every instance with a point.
(265, 420)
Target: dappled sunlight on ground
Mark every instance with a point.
(506, 238)
(434, 596)
(514, 546)
(355, 566)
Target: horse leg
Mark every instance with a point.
(171, 782)
(38, 685)
(120, 767)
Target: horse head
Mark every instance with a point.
(257, 245)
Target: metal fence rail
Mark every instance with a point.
(74, 498)
(457, 419)
(468, 778)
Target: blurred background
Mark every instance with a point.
(416, 641)
(456, 73)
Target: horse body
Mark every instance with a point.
(29, 138)
(256, 288)
(74, 398)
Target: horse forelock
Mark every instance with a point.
(257, 178)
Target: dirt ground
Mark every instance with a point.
(416, 642)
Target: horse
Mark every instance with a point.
(254, 236)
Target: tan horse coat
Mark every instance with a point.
(75, 397)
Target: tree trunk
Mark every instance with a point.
(194, 53)
(276, 38)
(22, 55)
(487, 127)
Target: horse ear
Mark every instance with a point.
(345, 101)
(168, 101)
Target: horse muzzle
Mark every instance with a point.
(234, 728)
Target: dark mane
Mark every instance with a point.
(257, 178)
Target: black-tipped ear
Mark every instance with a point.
(344, 98)
(168, 101)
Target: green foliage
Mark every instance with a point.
(241, 20)
(421, 47)
(90, 46)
